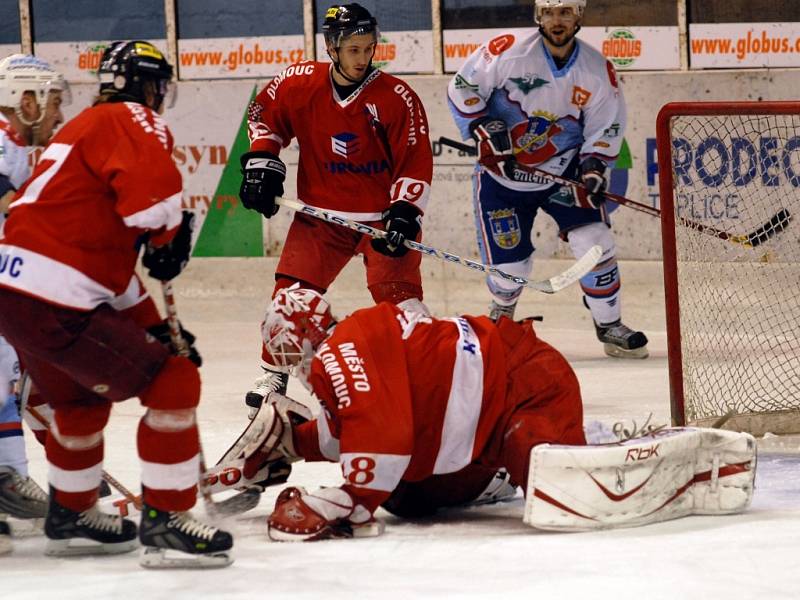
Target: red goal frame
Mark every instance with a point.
(666, 188)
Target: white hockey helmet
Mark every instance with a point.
(20, 73)
(577, 6)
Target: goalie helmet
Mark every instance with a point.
(298, 320)
(125, 67)
(20, 73)
(344, 20)
(577, 6)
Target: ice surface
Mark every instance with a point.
(477, 553)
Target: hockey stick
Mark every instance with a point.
(549, 286)
(242, 501)
(774, 225)
(570, 183)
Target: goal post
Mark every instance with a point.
(729, 183)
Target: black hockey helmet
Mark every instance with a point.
(126, 66)
(344, 20)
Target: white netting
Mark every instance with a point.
(739, 305)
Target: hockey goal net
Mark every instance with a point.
(729, 177)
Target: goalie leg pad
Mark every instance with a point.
(269, 432)
(670, 474)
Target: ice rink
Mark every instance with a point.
(477, 553)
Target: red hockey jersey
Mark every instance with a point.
(105, 179)
(357, 154)
(407, 398)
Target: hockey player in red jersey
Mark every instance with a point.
(364, 153)
(31, 96)
(406, 397)
(111, 164)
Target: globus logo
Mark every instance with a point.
(622, 48)
(90, 59)
(385, 52)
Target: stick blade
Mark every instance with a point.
(237, 504)
(775, 225)
(558, 282)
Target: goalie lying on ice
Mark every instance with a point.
(408, 399)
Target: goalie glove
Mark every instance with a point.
(495, 151)
(326, 514)
(263, 174)
(165, 262)
(593, 176)
(401, 222)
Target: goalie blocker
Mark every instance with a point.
(669, 474)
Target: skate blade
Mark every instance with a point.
(617, 352)
(25, 528)
(168, 558)
(85, 547)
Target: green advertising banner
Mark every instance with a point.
(228, 228)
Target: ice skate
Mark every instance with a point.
(497, 310)
(92, 531)
(21, 497)
(500, 489)
(176, 540)
(270, 381)
(5, 536)
(620, 341)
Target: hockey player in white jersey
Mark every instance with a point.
(552, 102)
(31, 96)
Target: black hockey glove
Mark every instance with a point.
(167, 261)
(593, 176)
(494, 145)
(161, 333)
(263, 174)
(402, 221)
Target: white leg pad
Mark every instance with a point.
(673, 473)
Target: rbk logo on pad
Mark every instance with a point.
(344, 144)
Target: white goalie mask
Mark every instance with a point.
(20, 73)
(297, 321)
(577, 7)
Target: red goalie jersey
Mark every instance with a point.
(409, 396)
(357, 154)
(105, 179)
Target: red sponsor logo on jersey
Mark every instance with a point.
(472, 101)
(500, 44)
(612, 73)
(580, 96)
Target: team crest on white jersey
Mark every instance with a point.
(505, 228)
(534, 137)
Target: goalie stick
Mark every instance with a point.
(774, 225)
(549, 286)
(244, 500)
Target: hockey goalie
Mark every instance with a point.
(415, 403)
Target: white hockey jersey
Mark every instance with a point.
(552, 114)
(14, 167)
